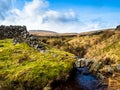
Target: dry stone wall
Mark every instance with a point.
(11, 31)
(20, 34)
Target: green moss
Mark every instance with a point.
(22, 67)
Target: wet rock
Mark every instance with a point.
(97, 68)
(89, 64)
(83, 63)
(101, 76)
(93, 66)
(77, 63)
(102, 86)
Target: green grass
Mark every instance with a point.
(21, 67)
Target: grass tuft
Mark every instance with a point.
(23, 68)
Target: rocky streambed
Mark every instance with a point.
(82, 79)
(88, 75)
(88, 81)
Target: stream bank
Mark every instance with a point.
(81, 79)
(86, 75)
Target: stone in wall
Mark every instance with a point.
(11, 31)
(20, 34)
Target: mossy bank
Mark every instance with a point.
(23, 68)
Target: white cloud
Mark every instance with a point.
(37, 15)
(36, 7)
(54, 16)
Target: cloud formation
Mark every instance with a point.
(5, 5)
(37, 15)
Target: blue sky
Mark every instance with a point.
(61, 15)
(92, 3)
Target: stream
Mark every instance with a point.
(82, 80)
(86, 80)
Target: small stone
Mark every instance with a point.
(92, 67)
(109, 69)
(77, 64)
(118, 67)
(99, 75)
(35, 46)
(42, 51)
(89, 64)
(82, 63)
(97, 66)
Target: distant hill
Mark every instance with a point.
(95, 32)
(42, 32)
(52, 33)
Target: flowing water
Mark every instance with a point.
(86, 80)
(81, 80)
